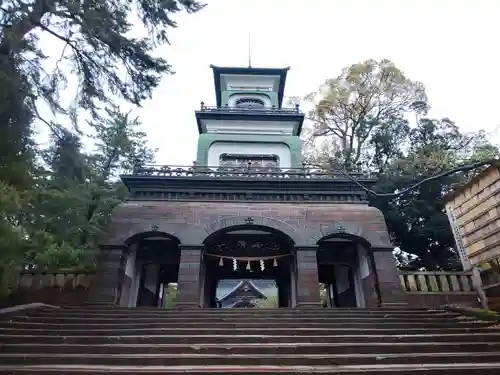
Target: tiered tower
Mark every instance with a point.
(249, 126)
(249, 186)
(249, 149)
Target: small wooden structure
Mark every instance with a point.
(473, 210)
(474, 214)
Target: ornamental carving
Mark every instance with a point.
(248, 246)
(263, 169)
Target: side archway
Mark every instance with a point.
(151, 265)
(344, 263)
(353, 231)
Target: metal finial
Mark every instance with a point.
(249, 50)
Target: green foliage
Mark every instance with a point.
(350, 107)
(56, 224)
(362, 117)
(54, 203)
(104, 52)
(170, 295)
(271, 302)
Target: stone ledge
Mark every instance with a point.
(487, 315)
(23, 309)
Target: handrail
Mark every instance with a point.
(248, 171)
(254, 110)
(437, 282)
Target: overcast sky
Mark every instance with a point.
(449, 45)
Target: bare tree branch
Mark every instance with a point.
(461, 168)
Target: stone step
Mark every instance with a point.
(76, 328)
(229, 313)
(180, 319)
(244, 359)
(296, 348)
(297, 331)
(265, 311)
(230, 337)
(492, 368)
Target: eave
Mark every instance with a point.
(240, 188)
(239, 285)
(246, 115)
(219, 70)
(460, 188)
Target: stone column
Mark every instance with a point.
(367, 276)
(106, 287)
(307, 277)
(188, 283)
(129, 276)
(389, 286)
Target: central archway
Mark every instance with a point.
(248, 252)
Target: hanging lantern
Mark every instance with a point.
(262, 265)
(235, 265)
(275, 262)
(248, 266)
(221, 262)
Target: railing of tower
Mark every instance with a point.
(255, 110)
(248, 171)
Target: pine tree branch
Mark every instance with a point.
(461, 168)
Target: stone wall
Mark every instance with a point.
(435, 289)
(53, 288)
(193, 222)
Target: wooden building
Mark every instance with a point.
(473, 210)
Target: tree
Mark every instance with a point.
(97, 42)
(70, 205)
(365, 96)
(363, 115)
(51, 210)
(417, 220)
(170, 295)
(271, 302)
(97, 48)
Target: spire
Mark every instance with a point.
(249, 50)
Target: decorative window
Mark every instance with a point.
(251, 161)
(249, 103)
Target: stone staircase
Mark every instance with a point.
(92, 340)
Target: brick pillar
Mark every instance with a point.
(188, 283)
(307, 277)
(106, 287)
(389, 286)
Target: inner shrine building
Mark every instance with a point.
(248, 208)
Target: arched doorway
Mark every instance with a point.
(151, 270)
(245, 252)
(342, 265)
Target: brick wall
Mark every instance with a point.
(192, 222)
